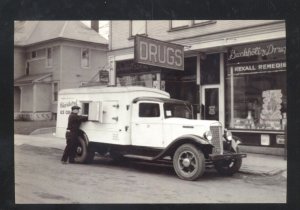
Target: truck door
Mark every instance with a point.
(147, 124)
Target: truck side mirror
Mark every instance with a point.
(95, 111)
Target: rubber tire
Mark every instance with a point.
(200, 162)
(87, 155)
(223, 170)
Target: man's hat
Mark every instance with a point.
(75, 107)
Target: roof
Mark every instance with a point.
(101, 89)
(32, 32)
(30, 79)
(158, 99)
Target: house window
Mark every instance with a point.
(49, 57)
(33, 54)
(149, 110)
(27, 69)
(137, 27)
(55, 91)
(85, 57)
(180, 23)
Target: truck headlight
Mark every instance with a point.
(228, 135)
(208, 135)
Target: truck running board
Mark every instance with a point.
(140, 157)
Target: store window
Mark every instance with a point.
(256, 87)
(137, 27)
(210, 69)
(49, 57)
(145, 80)
(258, 101)
(85, 57)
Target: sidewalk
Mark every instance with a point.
(256, 164)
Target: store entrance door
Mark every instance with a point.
(210, 101)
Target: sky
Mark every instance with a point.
(103, 27)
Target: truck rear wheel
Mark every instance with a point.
(188, 162)
(84, 154)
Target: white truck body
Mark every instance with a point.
(119, 121)
(115, 111)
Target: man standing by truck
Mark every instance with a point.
(72, 134)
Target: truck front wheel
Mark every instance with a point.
(84, 154)
(188, 162)
(228, 167)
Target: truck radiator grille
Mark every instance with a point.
(217, 141)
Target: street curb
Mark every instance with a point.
(262, 173)
(43, 131)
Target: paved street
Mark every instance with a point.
(41, 178)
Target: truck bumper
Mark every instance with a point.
(227, 156)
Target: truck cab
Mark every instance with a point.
(146, 124)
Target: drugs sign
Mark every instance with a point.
(158, 53)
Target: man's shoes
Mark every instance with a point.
(72, 161)
(64, 162)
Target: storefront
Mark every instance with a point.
(161, 65)
(255, 93)
(180, 84)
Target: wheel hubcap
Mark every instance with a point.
(186, 162)
(79, 150)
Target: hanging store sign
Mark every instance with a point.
(104, 76)
(257, 67)
(257, 52)
(158, 53)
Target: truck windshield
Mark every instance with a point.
(178, 110)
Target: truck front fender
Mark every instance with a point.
(192, 139)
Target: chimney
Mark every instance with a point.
(95, 25)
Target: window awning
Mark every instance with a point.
(34, 78)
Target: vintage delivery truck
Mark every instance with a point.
(146, 124)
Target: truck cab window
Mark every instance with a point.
(149, 110)
(178, 110)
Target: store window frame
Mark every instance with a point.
(89, 57)
(131, 35)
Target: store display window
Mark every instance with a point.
(256, 101)
(145, 80)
